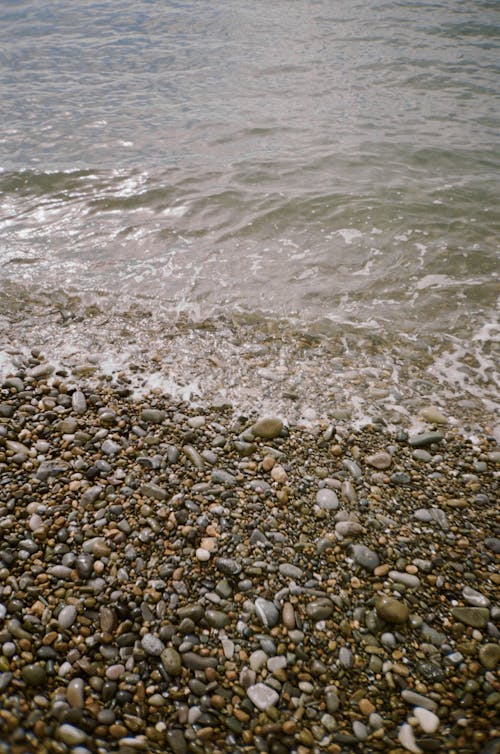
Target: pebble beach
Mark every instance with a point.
(186, 578)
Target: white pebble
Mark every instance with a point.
(428, 721)
(262, 696)
(407, 739)
(202, 554)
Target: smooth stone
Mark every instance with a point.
(70, 735)
(326, 499)
(489, 655)
(428, 721)
(345, 658)
(262, 696)
(407, 739)
(267, 612)
(268, 428)
(202, 555)
(193, 456)
(380, 460)
(75, 693)
(360, 730)
(475, 598)
(79, 402)
(67, 616)
(288, 615)
(275, 664)
(364, 556)
(477, 617)
(194, 661)
(42, 370)
(493, 543)
(418, 700)
(348, 529)
(176, 741)
(152, 415)
(216, 618)
(353, 468)
(153, 491)
(320, 609)
(34, 675)
(433, 415)
(90, 496)
(425, 438)
(290, 571)
(171, 661)
(152, 645)
(407, 579)
(219, 476)
(391, 610)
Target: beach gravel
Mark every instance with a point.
(188, 579)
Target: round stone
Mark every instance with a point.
(75, 693)
(477, 617)
(391, 610)
(380, 460)
(489, 655)
(152, 645)
(202, 555)
(327, 499)
(268, 428)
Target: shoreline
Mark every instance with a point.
(185, 578)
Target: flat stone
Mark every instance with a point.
(290, 571)
(391, 610)
(153, 491)
(152, 416)
(380, 460)
(90, 496)
(418, 700)
(171, 661)
(433, 415)
(267, 612)
(477, 617)
(320, 609)
(349, 528)
(425, 438)
(474, 598)
(268, 428)
(364, 556)
(219, 476)
(194, 661)
(262, 696)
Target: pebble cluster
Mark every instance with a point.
(187, 580)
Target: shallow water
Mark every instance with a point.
(327, 169)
